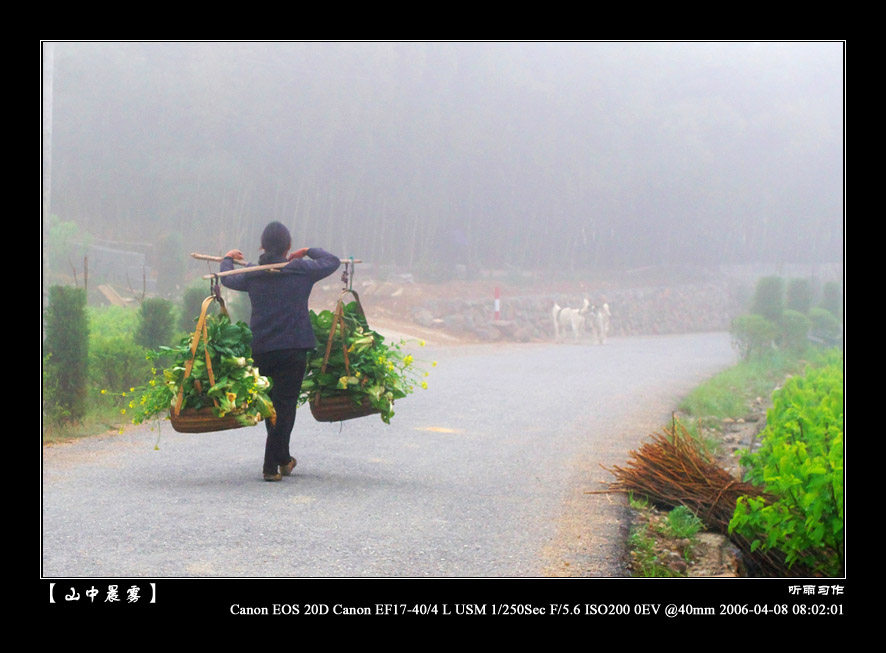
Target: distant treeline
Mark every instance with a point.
(477, 154)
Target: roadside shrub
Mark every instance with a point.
(799, 296)
(752, 335)
(831, 298)
(66, 352)
(112, 321)
(192, 302)
(155, 327)
(769, 298)
(795, 328)
(117, 363)
(825, 326)
(800, 466)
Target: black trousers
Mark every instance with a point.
(286, 369)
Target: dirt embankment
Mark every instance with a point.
(520, 309)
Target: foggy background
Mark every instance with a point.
(538, 155)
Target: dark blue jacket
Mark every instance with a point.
(280, 318)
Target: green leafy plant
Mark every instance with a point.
(373, 369)
(645, 560)
(239, 388)
(800, 465)
(638, 502)
(682, 522)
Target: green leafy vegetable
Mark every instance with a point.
(239, 388)
(374, 369)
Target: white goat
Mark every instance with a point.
(570, 318)
(600, 321)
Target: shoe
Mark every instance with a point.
(273, 477)
(286, 470)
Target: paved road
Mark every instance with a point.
(484, 474)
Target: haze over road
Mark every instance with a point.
(484, 474)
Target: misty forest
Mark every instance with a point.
(427, 155)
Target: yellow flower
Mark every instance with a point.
(408, 360)
(122, 411)
(421, 343)
(424, 384)
(104, 392)
(132, 389)
(434, 364)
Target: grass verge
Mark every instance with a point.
(728, 394)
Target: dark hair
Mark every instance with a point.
(275, 240)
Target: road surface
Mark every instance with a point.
(484, 474)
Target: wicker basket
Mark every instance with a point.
(339, 409)
(191, 420)
(203, 420)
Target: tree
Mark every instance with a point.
(66, 350)
(155, 323)
(769, 298)
(799, 296)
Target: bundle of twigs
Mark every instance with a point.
(675, 469)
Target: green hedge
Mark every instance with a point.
(65, 354)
